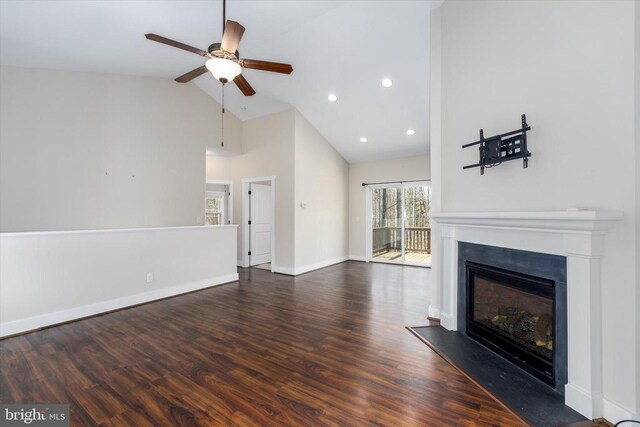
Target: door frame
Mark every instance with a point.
(229, 199)
(369, 221)
(245, 217)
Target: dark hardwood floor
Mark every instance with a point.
(324, 348)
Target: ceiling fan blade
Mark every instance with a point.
(187, 77)
(274, 67)
(232, 34)
(164, 40)
(244, 85)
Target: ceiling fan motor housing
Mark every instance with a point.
(216, 50)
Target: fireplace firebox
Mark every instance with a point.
(513, 314)
(514, 302)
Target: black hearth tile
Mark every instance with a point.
(530, 398)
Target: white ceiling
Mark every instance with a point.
(341, 47)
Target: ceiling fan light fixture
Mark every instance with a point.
(224, 70)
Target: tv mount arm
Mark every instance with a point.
(501, 148)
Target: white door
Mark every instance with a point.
(261, 223)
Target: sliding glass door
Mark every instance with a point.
(400, 228)
(417, 224)
(386, 204)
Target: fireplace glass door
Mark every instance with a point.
(513, 314)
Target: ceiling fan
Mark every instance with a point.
(224, 61)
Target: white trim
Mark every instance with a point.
(559, 221)
(358, 258)
(109, 230)
(245, 219)
(271, 178)
(310, 267)
(230, 198)
(615, 413)
(318, 265)
(433, 312)
(49, 319)
(282, 270)
(368, 215)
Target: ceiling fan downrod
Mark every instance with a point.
(224, 24)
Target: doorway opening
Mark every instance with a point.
(258, 226)
(399, 223)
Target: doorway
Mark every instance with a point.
(399, 223)
(259, 224)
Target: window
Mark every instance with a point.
(214, 208)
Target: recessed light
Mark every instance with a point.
(387, 82)
(332, 97)
(363, 139)
(411, 132)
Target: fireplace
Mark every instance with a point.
(513, 314)
(514, 303)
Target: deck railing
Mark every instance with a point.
(417, 239)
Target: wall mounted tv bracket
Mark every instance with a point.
(501, 148)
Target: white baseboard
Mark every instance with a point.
(580, 400)
(49, 319)
(282, 270)
(358, 258)
(319, 265)
(434, 312)
(308, 268)
(614, 413)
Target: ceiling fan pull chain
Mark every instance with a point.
(222, 120)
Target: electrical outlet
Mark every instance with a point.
(149, 277)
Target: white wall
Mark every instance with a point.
(435, 141)
(321, 182)
(219, 168)
(307, 170)
(407, 168)
(92, 151)
(267, 150)
(52, 277)
(637, 120)
(569, 66)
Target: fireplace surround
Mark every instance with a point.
(514, 303)
(577, 235)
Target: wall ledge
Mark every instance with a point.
(111, 230)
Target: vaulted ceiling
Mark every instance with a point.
(340, 47)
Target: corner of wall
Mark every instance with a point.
(321, 199)
(637, 192)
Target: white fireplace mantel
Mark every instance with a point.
(579, 235)
(571, 220)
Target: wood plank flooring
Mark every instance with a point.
(325, 348)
